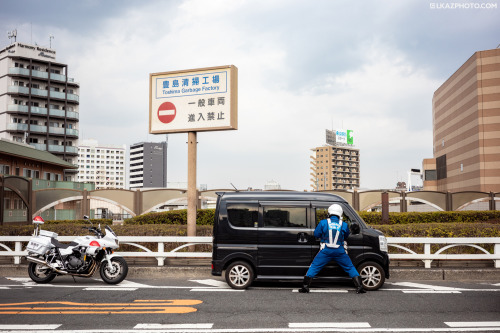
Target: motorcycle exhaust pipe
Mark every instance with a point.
(92, 270)
(44, 263)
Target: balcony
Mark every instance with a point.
(19, 71)
(71, 131)
(58, 77)
(17, 127)
(56, 113)
(38, 128)
(56, 130)
(24, 109)
(72, 115)
(39, 146)
(39, 92)
(18, 90)
(73, 97)
(39, 74)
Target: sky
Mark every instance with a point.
(303, 66)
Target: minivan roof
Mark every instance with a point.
(281, 196)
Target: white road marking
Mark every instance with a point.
(173, 326)
(424, 286)
(30, 327)
(431, 292)
(323, 291)
(473, 324)
(212, 282)
(291, 330)
(215, 289)
(110, 288)
(4, 287)
(329, 325)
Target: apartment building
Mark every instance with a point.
(335, 168)
(466, 128)
(148, 165)
(102, 165)
(39, 102)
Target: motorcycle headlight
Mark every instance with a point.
(382, 241)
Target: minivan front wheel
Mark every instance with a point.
(372, 275)
(239, 275)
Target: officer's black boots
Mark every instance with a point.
(305, 284)
(358, 284)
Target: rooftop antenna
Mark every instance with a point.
(12, 34)
(50, 41)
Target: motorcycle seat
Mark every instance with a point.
(56, 243)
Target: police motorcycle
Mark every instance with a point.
(82, 257)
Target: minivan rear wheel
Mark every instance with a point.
(372, 275)
(239, 275)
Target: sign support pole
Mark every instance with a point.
(192, 193)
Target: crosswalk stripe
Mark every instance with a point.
(431, 292)
(110, 288)
(329, 325)
(324, 291)
(473, 323)
(215, 289)
(30, 327)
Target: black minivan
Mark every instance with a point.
(270, 235)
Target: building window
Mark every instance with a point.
(441, 167)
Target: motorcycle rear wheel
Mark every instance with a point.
(119, 272)
(40, 273)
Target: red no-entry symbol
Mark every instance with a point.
(166, 112)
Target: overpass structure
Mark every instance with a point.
(138, 202)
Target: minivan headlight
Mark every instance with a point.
(383, 243)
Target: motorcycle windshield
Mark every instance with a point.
(108, 228)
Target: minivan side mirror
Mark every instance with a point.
(355, 229)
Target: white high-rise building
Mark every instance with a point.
(103, 165)
(39, 102)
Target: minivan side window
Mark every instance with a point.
(322, 213)
(285, 217)
(243, 215)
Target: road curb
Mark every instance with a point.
(159, 272)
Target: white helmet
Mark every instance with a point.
(335, 209)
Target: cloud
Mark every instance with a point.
(303, 67)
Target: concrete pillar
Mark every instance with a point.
(492, 201)
(449, 202)
(355, 200)
(385, 207)
(403, 204)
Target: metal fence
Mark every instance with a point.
(403, 244)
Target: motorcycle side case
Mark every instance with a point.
(49, 234)
(39, 245)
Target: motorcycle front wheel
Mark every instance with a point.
(117, 273)
(40, 273)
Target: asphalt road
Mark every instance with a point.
(207, 305)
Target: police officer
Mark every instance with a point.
(332, 232)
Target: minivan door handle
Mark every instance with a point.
(302, 237)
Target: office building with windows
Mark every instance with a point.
(39, 102)
(466, 128)
(102, 165)
(148, 165)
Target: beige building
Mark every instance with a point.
(334, 168)
(466, 128)
(39, 102)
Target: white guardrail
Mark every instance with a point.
(427, 257)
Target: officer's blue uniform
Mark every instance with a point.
(332, 235)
